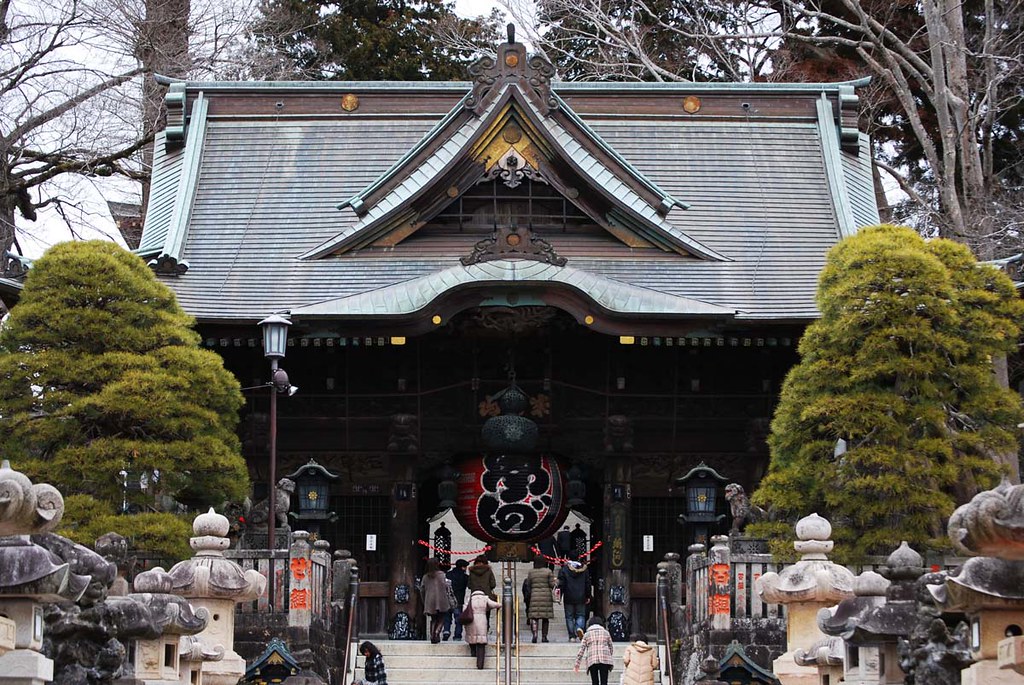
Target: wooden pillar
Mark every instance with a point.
(617, 557)
(402, 599)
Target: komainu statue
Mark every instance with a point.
(258, 515)
(743, 512)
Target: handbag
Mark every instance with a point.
(452, 602)
(467, 614)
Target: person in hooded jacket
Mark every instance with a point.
(481, 577)
(640, 661)
(574, 583)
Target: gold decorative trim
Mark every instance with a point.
(350, 102)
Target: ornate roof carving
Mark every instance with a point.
(512, 242)
(512, 64)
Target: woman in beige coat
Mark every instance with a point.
(641, 662)
(476, 632)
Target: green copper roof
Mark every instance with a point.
(413, 295)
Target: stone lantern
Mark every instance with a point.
(811, 584)
(214, 584)
(884, 610)
(30, 576)
(162, 623)
(988, 588)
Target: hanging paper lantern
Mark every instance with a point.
(511, 497)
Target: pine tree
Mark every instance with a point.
(101, 376)
(373, 40)
(899, 367)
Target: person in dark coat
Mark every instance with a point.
(460, 581)
(435, 598)
(574, 582)
(481, 577)
(541, 608)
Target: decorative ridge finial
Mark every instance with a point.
(531, 74)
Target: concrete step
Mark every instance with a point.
(450, 648)
(418, 662)
(542, 662)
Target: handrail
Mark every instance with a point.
(516, 636)
(351, 627)
(664, 633)
(668, 643)
(508, 623)
(498, 618)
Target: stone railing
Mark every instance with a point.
(722, 604)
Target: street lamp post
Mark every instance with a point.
(275, 340)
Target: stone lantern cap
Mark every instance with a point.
(991, 524)
(28, 569)
(828, 651)
(208, 574)
(814, 578)
(989, 528)
(27, 509)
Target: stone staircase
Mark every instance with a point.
(417, 662)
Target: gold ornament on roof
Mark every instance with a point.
(349, 102)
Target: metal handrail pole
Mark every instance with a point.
(498, 618)
(661, 593)
(668, 645)
(507, 607)
(516, 634)
(350, 623)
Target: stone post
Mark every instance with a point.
(674, 588)
(29, 576)
(989, 588)
(214, 584)
(694, 553)
(811, 584)
(300, 594)
(719, 586)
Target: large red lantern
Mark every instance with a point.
(511, 497)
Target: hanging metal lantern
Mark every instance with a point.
(576, 488)
(447, 489)
(510, 432)
(511, 498)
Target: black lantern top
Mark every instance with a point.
(312, 486)
(701, 485)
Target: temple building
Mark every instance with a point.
(618, 271)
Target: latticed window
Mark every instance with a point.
(529, 204)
